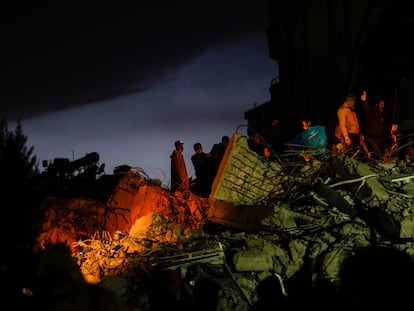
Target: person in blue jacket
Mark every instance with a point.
(315, 140)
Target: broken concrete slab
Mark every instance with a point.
(364, 182)
(244, 178)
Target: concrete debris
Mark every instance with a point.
(284, 217)
(244, 178)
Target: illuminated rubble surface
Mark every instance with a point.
(288, 218)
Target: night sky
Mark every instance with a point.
(128, 79)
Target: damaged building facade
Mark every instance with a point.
(325, 49)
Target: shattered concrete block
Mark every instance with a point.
(152, 223)
(297, 249)
(275, 250)
(359, 231)
(134, 245)
(252, 260)
(293, 267)
(332, 263)
(407, 227)
(377, 193)
(245, 178)
(283, 217)
(408, 189)
(316, 249)
(387, 222)
(247, 283)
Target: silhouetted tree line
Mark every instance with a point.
(18, 166)
(20, 205)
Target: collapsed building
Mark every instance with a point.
(282, 215)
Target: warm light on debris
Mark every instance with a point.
(261, 216)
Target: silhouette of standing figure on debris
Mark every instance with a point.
(217, 153)
(377, 125)
(255, 143)
(179, 176)
(272, 135)
(202, 170)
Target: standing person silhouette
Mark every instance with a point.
(179, 176)
(217, 153)
(202, 169)
(272, 135)
(377, 126)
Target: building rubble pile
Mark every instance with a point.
(263, 216)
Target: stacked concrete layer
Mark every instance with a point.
(245, 178)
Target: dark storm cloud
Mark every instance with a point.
(68, 54)
(198, 102)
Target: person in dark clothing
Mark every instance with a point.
(272, 135)
(179, 176)
(377, 126)
(255, 143)
(202, 170)
(217, 153)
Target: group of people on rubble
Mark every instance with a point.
(205, 166)
(366, 127)
(362, 128)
